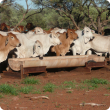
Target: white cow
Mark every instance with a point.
(47, 40)
(28, 43)
(26, 50)
(5, 33)
(100, 44)
(59, 30)
(84, 37)
(38, 30)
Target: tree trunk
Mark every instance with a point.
(74, 22)
(99, 25)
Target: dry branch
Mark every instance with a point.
(43, 97)
(92, 104)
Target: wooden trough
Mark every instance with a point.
(34, 65)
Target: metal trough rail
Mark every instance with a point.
(32, 65)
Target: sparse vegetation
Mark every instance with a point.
(49, 87)
(69, 91)
(8, 89)
(69, 84)
(95, 83)
(30, 81)
(26, 90)
(37, 92)
(1, 96)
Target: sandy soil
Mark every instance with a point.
(60, 99)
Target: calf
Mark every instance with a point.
(3, 27)
(84, 37)
(10, 43)
(47, 40)
(66, 40)
(28, 47)
(29, 26)
(38, 30)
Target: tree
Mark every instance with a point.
(26, 12)
(6, 3)
(66, 8)
(81, 10)
(101, 8)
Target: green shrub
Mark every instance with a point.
(30, 81)
(26, 90)
(49, 87)
(96, 81)
(8, 89)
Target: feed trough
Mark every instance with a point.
(53, 62)
(34, 65)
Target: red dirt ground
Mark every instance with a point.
(60, 99)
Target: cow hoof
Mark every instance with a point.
(41, 58)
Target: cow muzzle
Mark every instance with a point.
(19, 44)
(41, 58)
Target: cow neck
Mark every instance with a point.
(7, 48)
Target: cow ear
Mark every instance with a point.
(82, 32)
(50, 35)
(6, 42)
(66, 35)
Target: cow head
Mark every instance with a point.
(87, 34)
(12, 40)
(38, 49)
(72, 35)
(54, 38)
(3, 27)
(29, 26)
(38, 30)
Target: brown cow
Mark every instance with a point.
(10, 41)
(19, 29)
(29, 27)
(3, 27)
(66, 40)
(11, 38)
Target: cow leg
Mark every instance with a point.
(73, 50)
(83, 52)
(89, 52)
(57, 53)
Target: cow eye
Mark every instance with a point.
(39, 46)
(12, 37)
(87, 31)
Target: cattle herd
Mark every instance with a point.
(31, 41)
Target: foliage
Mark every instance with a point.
(8, 89)
(1, 96)
(49, 87)
(56, 13)
(30, 81)
(96, 81)
(26, 89)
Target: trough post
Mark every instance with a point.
(22, 71)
